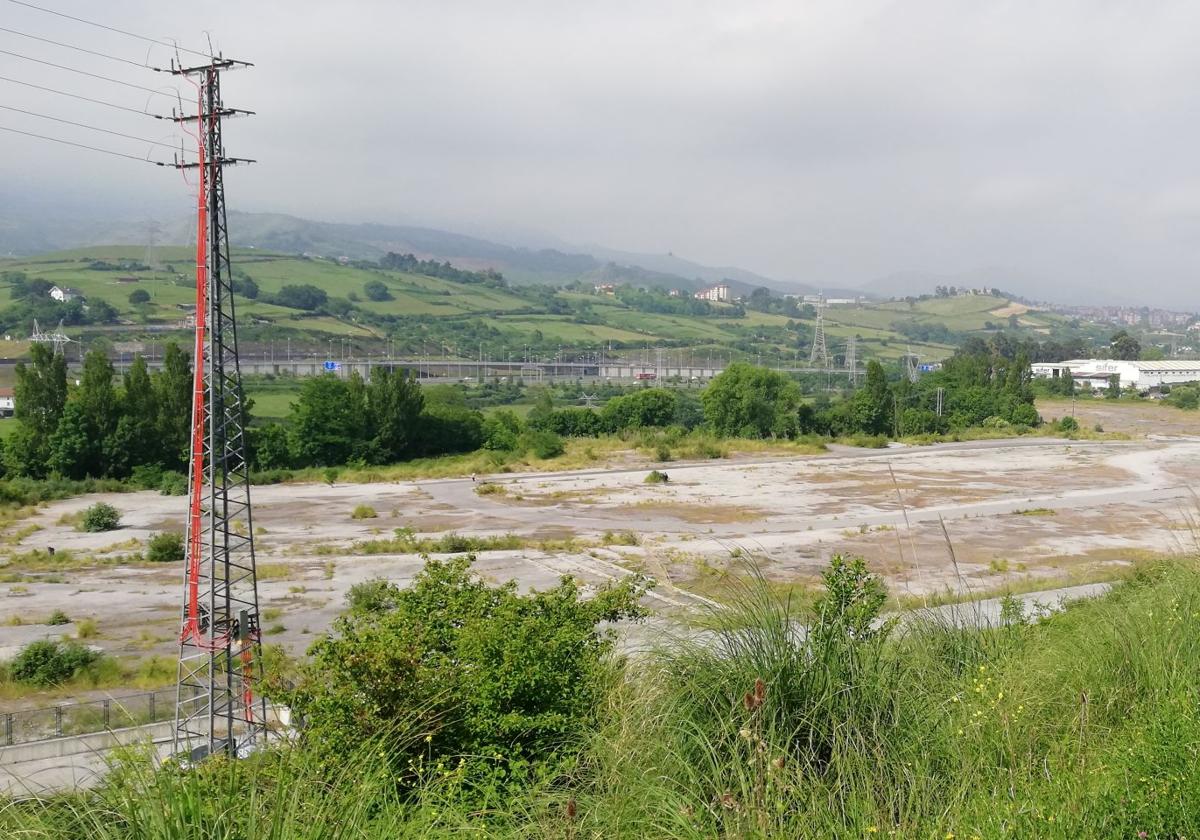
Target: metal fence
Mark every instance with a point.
(28, 725)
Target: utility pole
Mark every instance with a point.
(220, 642)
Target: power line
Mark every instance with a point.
(81, 49)
(84, 146)
(89, 127)
(110, 28)
(84, 98)
(85, 73)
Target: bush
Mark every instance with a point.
(57, 618)
(454, 668)
(1068, 425)
(45, 663)
(376, 290)
(139, 296)
(363, 512)
(544, 444)
(487, 489)
(656, 477)
(101, 517)
(372, 596)
(173, 484)
(166, 547)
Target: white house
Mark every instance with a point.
(8, 404)
(62, 294)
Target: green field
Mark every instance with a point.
(425, 311)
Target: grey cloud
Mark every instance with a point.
(824, 142)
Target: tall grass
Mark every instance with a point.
(770, 722)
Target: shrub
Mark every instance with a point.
(101, 517)
(662, 452)
(543, 444)
(376, 290)
(45, 663)
(372, 596)
(166, 547)
(656, 477)
(487, 489)
(454, 667)
(86, 629)
(363, 512)
(139, 296)
(1068, 424)
(58, 617)
(173, 484)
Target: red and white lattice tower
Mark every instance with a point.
(220, 640)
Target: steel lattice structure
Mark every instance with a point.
(220, 663)
(819, 351)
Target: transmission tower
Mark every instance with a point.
(58, 339)
(819, 350)
(220, 662)
(910, 365)
(852, 359)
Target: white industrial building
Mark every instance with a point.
(1145, 376)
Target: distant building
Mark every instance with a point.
(719, 293)
(1144, 376)
(605, 289)
(62, 294)
(675, 292)
(128, 279)
(8, 404)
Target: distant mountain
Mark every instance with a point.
(33, 231)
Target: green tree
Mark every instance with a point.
(139, 414)
(1124, 346)
(73, 448)
(40, 395)
(646, 408)
(173, 397)
(394, 401)
(328, 420)
(138, 296)
(749, 401)
(872, 404)
(97, 397)
(272, 447)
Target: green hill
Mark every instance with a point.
(464, 313)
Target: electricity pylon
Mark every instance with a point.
(57, 339)
(852, 359)
(220, 649)
(819, 350)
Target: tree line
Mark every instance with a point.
(111, 427)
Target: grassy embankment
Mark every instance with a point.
(1082, 724)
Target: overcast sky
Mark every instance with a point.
(822, 142)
